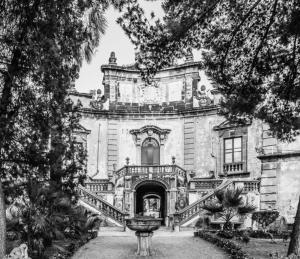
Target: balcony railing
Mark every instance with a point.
(248, 185)
(99, 185)
(233, 168)
(154, 170)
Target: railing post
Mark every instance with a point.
(176, 222)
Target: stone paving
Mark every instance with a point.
(122, 245)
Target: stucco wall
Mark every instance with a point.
(92, 124)
(288, 187)
(206, 144)
(173, 145)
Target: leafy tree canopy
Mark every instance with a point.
(250, 50)
(42, 46)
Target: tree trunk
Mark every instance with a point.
(2, 224)
(294, 247)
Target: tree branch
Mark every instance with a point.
(263, 38)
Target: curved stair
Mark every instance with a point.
(191, 213)
(96, 204)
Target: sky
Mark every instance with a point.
(114, 39)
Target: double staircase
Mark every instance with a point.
(184, 218)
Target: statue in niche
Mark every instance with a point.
(98, 99)
(201, 96)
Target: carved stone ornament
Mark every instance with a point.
(150, 131)
(20, 252)
(98, 100)
(201, 96)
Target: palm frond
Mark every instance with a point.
(246, 209)
(220, 195)
(233, 198)
(95, 28)
(213, 207)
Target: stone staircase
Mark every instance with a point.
(183, 219)
(94, 203)
(187, 216)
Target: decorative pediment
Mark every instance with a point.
(150, 131)
(228, 125)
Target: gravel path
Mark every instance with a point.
(171, 245)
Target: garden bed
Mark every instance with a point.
(264, 248)
(256, 248)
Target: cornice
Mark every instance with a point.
(135, 70)
(186, 112)
(279, 155)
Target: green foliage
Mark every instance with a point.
(225, 234)
(50, 215)
(265, 218)
(250, 49)
(42, 46)
(228, 204)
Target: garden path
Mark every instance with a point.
(122, 245)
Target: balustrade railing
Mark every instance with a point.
(204, 184)
(248, 185)
(233, 168)
(101, 205)
(155, 169)
(99, 185)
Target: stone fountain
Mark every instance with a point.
(143, 227)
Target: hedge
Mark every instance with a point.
(234, 250)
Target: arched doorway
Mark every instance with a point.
(150, 152)
(151, 200)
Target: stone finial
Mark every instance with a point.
(173, 160)
(189, 56)
(112, 59)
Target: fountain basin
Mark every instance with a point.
(143, 227)
(143, 224)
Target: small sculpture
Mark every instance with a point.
(98, 100)
(20, 252)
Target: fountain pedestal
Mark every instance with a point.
(144, 243)
(143, 227)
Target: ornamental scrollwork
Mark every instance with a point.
(98, 99)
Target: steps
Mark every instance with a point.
(112, 215)
(188, 216)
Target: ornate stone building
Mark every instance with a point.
(162, 149)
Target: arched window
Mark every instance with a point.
(150, 152)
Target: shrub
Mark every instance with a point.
(230, 247)
(228, 204)
(265, 218)
(260, 234)
(225, 234)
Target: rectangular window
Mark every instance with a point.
(232, 150)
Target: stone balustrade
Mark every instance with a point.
(233, 168)
(101, 205)
(99, 185)
(249, 185)
(131, 170)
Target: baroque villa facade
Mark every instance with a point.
(162, 149)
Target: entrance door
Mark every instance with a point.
(151, 200)
(150, 152)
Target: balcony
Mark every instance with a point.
(133, 170)
(234, 168)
